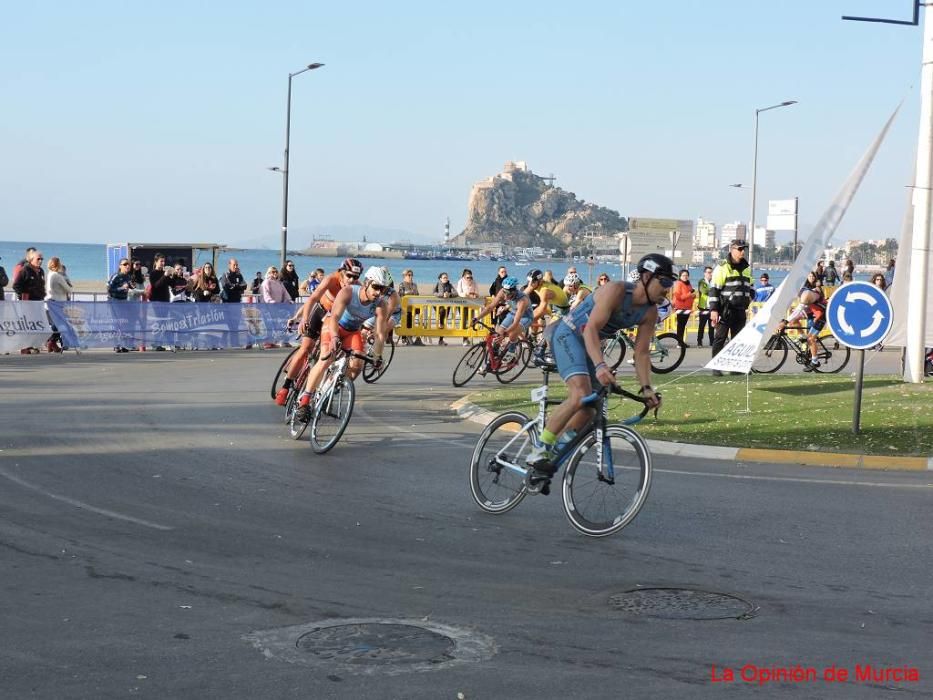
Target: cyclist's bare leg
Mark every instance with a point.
(570, 413)
(317, 371)
(298, 361)
(814, 350)
(354, 367)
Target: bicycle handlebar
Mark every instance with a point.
(619, 391)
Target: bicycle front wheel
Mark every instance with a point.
(832, 354)
(496, 482)
(515, 362)
(469, 364)
(600, 503)
(667, 354)
(614, 351)
(280, 375)
(332, 415)
(771, 357)
(371, 375)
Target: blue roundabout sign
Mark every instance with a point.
(859, 315)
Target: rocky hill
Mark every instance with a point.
(518, 208)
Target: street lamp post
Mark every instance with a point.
(284, 168)
(751, 246)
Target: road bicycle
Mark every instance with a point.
(608, 467)
(832, 354)
(282, 372)
(666, 351)
(332, 404)
(371, 373)
(507, 360)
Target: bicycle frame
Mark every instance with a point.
(596, 424)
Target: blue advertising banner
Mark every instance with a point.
(131, 323)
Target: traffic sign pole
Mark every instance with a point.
(857, 410)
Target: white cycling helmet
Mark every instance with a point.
(390, 281)
(378, 275)
(571, 279)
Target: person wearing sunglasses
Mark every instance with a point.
(311, 318)
(575, 343)
(353, 306)
(730, 293)
(517, 320)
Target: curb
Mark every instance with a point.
(471, 412)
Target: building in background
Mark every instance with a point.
(654, 236)
(764, 237)
(734, 230)
(705, 234)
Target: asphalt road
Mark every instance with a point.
(161, 536)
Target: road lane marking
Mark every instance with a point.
(80, 504)
(795, 479)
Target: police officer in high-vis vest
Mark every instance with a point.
(730, 293)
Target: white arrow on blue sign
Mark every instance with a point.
(859, 315)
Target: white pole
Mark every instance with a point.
(920, 247)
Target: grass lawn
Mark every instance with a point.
(788, 412)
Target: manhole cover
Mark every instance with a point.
(368, 646)
(377, 644)
(681, 604)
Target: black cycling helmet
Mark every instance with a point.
(657, 265)
(535, 275)
(353, 266)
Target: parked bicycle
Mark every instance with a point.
(506, 360)
(832, 354)
(667, 350)
(608, 472)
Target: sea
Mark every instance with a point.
(88, 262)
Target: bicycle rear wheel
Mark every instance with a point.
(469, 364)
(296, 428)
(595, 505)
(332, 415)
(495, 487)
(668, 354)
(614, 351)
(832, 354)
(510, 370)
(371, 375)
(771, 357)
(280, 374)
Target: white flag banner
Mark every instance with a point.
(23, 324)
(739, 354)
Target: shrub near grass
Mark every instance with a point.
(788, 412)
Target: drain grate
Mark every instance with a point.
(377, 644)
(370, 646)
(682, 604)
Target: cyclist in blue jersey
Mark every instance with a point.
(518, 318)
(575, 342)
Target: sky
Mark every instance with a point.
(157, 121)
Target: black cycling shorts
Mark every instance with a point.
(312, 329)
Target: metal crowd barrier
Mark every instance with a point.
(428, 316)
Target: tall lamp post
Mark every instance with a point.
(284, 168)
(751, 247)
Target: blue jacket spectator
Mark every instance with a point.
(764, 289)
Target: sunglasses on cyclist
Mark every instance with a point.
(351, 277)
(377, 287)
(666, 282)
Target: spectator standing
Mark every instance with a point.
(443, 290)
(820, 271)
(232, 284)
(602, 279)
(178, 284)
(137, 275)
(289, 279)
(682, 298)
(408, 287)
(206, 286)
(118, 289)
(849, 266)
(4, 281)
(889, 273)
(57, 288)
(25, 261)
(314, 279)
(29, 280)
(730, 294)
(846, 277)
(879, 281)
(257, 283)
(158, 281)
(466, 288)
(832, 274)
(497, 283)
(273, 291)
(764, 289)
(703, 307)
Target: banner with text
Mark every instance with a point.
(739, 353)
(23, 324)
(129, 324)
